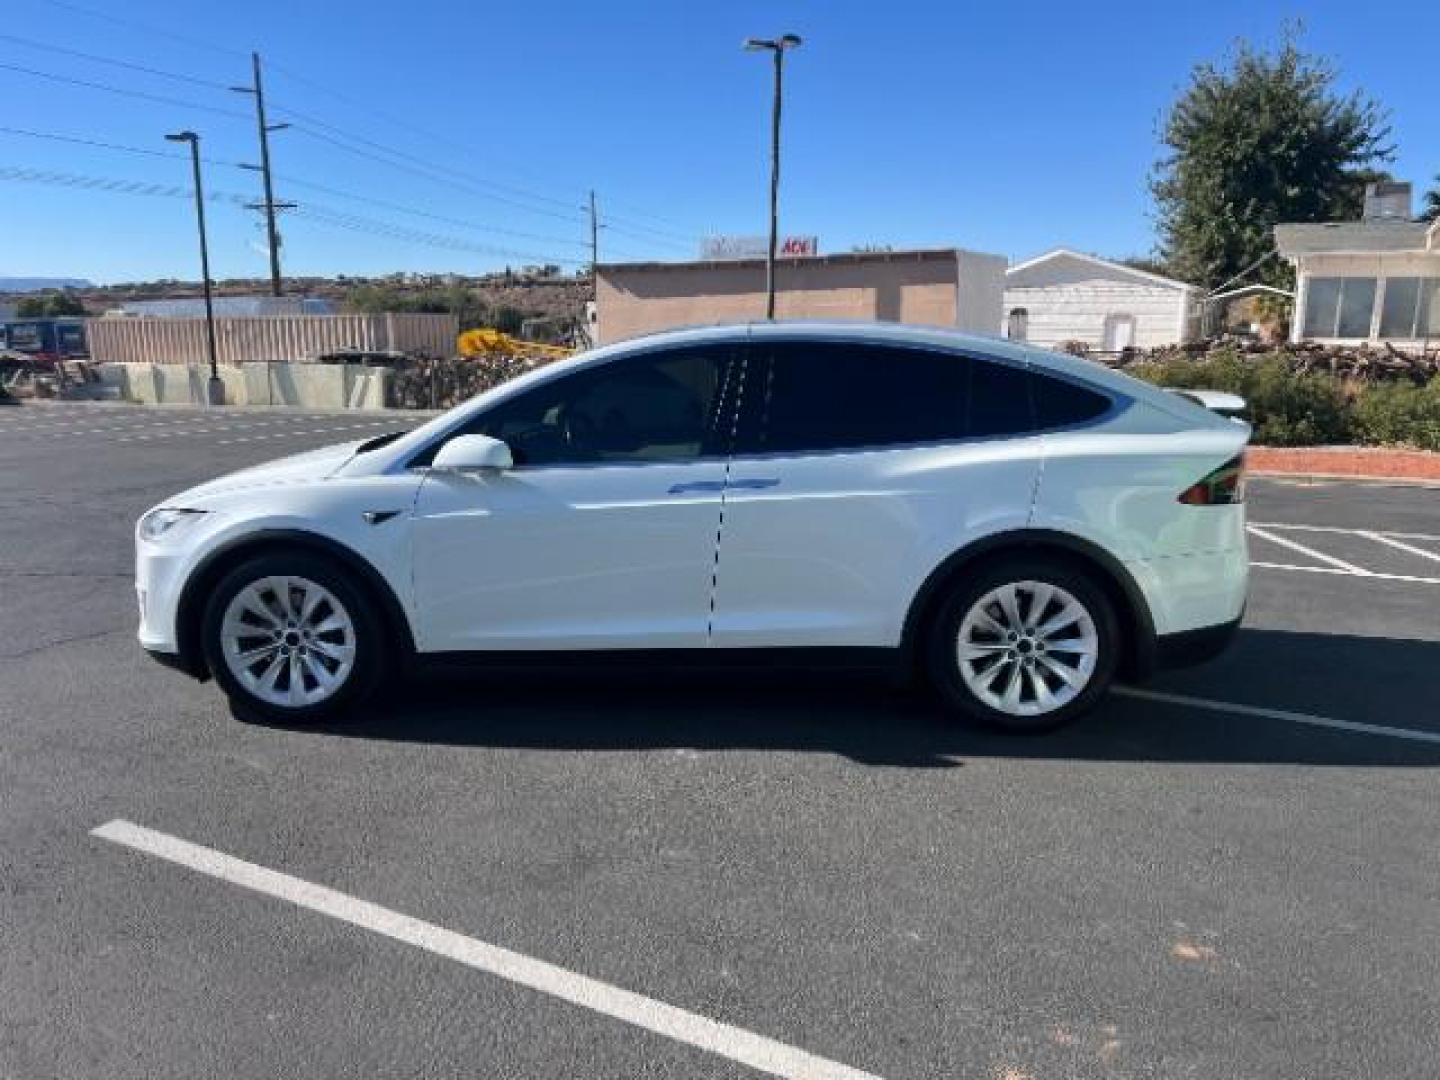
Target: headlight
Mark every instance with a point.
(164, 522)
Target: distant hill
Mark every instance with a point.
(40, 284)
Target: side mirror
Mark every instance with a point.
(466, 453)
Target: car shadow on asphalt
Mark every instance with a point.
(868, 718)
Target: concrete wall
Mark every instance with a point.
(309, 386)
(242, 340)
(910, 287)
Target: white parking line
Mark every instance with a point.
(1349, 568)
(306, 431)
(1346, 532)
(1380, 538)
(1408, 734)
(736, 1044)
(1368, 575)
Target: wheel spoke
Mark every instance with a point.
(261, 652)
(1010, 605)
(978, 650)
(331, 649)
(1070, 676)
(251, 600)
(309, 600)
(1067, 615)
(1044, 696)
(1040, 597)
(272, 673)
(297, 681)
(1010, 699)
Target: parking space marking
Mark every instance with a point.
(1278, 714)
(1380, 538)
(1349, 568)
(1346, 532)
(1368, 575)
(288, 434)
(724, 1040)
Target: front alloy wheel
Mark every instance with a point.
(288, 641)
(290, 636)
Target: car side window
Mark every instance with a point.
(804, 397)
(1064, 404)
(656, 407)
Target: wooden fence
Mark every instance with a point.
(265, 338)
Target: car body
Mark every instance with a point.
(729, 492)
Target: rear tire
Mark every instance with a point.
(291, 638)
(1024, 645)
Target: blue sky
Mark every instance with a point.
(1002, 128)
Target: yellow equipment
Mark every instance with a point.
(489, 342)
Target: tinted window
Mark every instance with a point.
(803, 397)
(1062, 404)
(650, 408)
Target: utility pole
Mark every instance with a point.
(594, 246)
(777, 47)
(257, 89)
(215, 392)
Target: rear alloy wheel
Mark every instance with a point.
(1024, 646)
(290, 638)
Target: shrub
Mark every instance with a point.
(1286, 409)
(1399, 413)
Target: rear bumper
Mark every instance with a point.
(1191, 647)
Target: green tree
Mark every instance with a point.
(1263, 139)
(50, 305)
(1431, 211)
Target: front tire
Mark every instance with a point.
(1024, 645)
(291, 638)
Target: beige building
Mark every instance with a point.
(1376, 280)
(945, 287)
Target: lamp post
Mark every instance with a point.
(215, 391)
(776, 47)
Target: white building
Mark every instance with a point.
(1375, 280)
(1069, 296)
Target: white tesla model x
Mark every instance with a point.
(1018, 525)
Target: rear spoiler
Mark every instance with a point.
(1230, 406)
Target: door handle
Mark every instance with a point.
(697, 485)
(751, 484)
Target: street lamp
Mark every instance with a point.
(777, 47)
(215, 391)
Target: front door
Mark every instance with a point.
(604, 533)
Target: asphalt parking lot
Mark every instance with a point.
(1232, 872)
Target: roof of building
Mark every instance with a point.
(1323, 238)
(1095, 260)
(840, 259)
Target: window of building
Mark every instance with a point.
(1411, 308)
(1339, 307)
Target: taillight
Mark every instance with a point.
(1222, 487)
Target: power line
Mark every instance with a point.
(637, 230)
(145, 28)
(464, 223)
(50, 136)
(142, 95)
(322, 215)
(113, 62)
